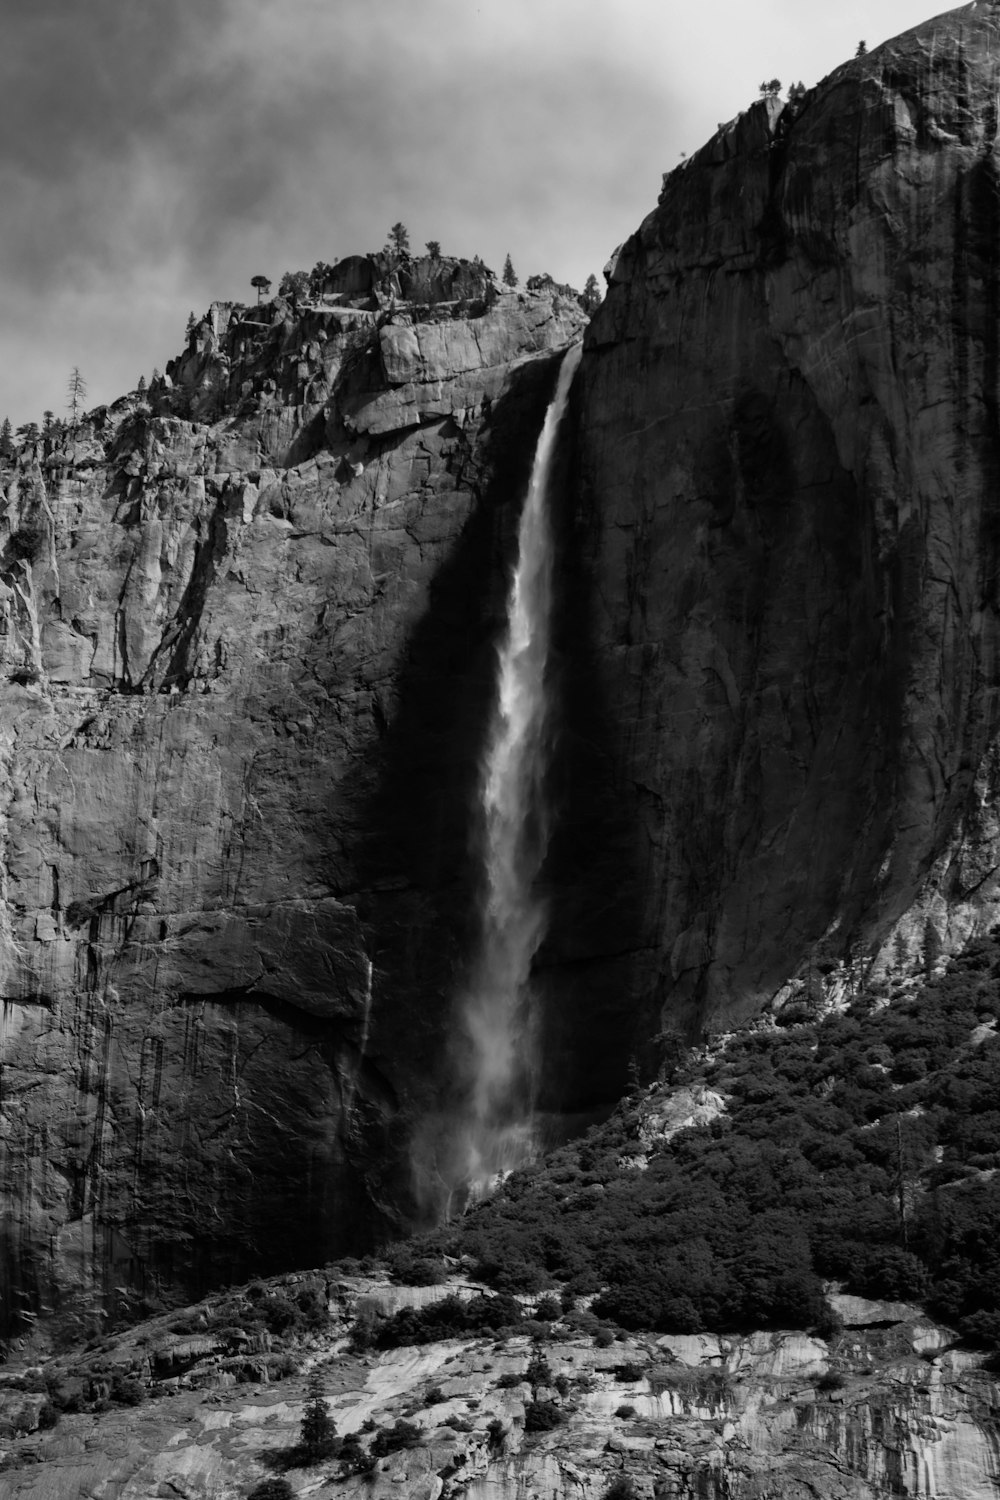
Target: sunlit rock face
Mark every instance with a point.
(788, 456)
(246, 658)
(764, 1416)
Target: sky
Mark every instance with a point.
(156, 154)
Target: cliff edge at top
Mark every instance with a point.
(789, 452)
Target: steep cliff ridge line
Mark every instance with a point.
(789, 525)
(216, 1022)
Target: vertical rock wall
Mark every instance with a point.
(244, 662)
(788, 461)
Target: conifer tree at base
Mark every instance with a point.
(318, 1431)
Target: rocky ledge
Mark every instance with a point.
(885, 1407)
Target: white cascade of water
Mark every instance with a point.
(350, 1075)
(495, 1010)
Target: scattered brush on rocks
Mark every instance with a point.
(354, 1457)
(260, 1308)
(393, 1439)
(711, 1388)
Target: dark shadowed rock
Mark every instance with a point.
(788, 458)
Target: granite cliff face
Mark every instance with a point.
(247, 660)
(788, 459)
(246, 653)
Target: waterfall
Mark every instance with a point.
(350, 1074)
(496, 1013)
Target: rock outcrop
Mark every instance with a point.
(245, 662)
(885, 1408)
(788, 453)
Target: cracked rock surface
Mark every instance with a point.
(886, 1408)
(246, 647)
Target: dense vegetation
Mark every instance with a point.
(449, 1318)
(860, 1147)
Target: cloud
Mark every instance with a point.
(157, 153)
(84, 90)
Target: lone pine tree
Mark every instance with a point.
(591, 295)
(76, 390)
(318, 1431)
(399, 239)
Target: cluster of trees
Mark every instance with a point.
(396, 249)
(450, 1318)
(861, 1148)
(263, 1308)
(771, 88)
(27, 433)
(12, 440)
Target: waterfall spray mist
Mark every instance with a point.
(497, 1019)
